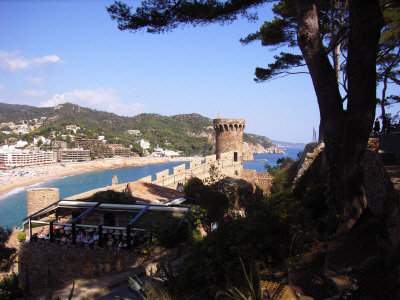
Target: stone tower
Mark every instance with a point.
(40, 198)
(229, 137)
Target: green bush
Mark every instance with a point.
(275, 229)
(21, 236)
(214, 202)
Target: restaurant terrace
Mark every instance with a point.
(109, 218)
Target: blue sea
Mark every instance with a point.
(261, 159)
(13, 203)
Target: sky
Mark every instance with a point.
(57, 51)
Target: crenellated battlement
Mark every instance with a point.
(229, 124)
(180, 174)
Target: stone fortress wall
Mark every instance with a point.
(180, 175)
(39, 198)
(67, 263)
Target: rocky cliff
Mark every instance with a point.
(250, 149)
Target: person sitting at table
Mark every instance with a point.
(57, 236)
(42, 234)
(69, 238)
(88, 240)
(121, 244)
(79, 238)
(95, 238)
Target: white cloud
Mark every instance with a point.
(35, 80)
(99, 98)
(33, 93)
(1, 87)
(13, 61)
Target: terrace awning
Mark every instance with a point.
(140, 209)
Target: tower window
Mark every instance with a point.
(235, 156)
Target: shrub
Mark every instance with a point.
(275, 229)
(21, 236)
(214, 202)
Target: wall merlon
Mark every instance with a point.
(210, 159)
(162, 175)
(179, 169)
(195, 163)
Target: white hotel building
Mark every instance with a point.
(10, 158)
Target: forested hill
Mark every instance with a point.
(190, 133)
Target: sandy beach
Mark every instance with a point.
(35, 174)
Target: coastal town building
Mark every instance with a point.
(120, 150)
(21, 144)
(10, 125)
(43, 140)
(144, 144)
(21, 129)
(88, 143)
(133, 132)
(72, 155)
(11, 158)
(74, 128)
(59, 144)
(159, 152)
(102, 151)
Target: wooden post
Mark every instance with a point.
(101, 236)
(51, 233)
(128, 237)
(73, 234)
(30, 230)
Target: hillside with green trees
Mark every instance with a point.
(191, 134)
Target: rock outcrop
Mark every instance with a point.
(250, 149)
(310, 153)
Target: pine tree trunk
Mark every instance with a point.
(345, 132)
